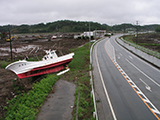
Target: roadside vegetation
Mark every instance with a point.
(150, 39)
(3, 64)
(72, 26)
(79, 74)
(25, 106)
(129, 38)
(148, 43)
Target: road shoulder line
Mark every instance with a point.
(113, 113)
(145, 100)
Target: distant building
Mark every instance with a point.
(84, 34)
(99, 33)
(87, 34)
(93, 34)
(131, 31)
(77, 36)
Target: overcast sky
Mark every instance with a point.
(110, 12)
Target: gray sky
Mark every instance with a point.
(110, 12)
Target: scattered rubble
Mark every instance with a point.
(10, 85)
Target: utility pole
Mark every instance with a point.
(10, 42)
(137, 31)
(89, 36)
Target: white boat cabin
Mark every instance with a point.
(50, 55)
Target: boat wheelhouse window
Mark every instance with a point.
(19, 65)
(52, 52)
(45, 58)
(51, 57)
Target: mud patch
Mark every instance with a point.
(150, 41)
(10, 85)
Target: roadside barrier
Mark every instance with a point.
(95, 115)
(150, 52)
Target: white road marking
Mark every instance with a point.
(148, 88)
(146, 85)
(144, 73)
(109, 101)
(154, 110)
(112, 49)
(131, 57)
(144, 98)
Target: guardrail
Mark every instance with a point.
(91, 80)
(148, 51)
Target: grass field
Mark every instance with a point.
(25, 106)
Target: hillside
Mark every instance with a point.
(73, 26)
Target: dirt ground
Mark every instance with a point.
(10, 85)
(150, 41)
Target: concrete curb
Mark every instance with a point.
(91, 80)
(143, 58)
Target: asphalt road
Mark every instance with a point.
(126, 87)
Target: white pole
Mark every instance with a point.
(89, 36)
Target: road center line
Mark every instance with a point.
(146, 101)
(131, 57)
(143, 73)
(110, 104)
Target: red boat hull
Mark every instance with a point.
(56, 67)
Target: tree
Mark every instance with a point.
(158, 29)
(3, 35)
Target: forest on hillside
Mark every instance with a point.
(73, 26)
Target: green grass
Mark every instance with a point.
(141, 47)
(149, 44)
(3, 64)
(79, 74)
(128, 38)
(80, 58)
(26, 106)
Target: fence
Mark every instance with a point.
(150, 52)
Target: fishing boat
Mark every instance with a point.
(50, 63)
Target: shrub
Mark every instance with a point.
(3, 64)
(26, 106)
